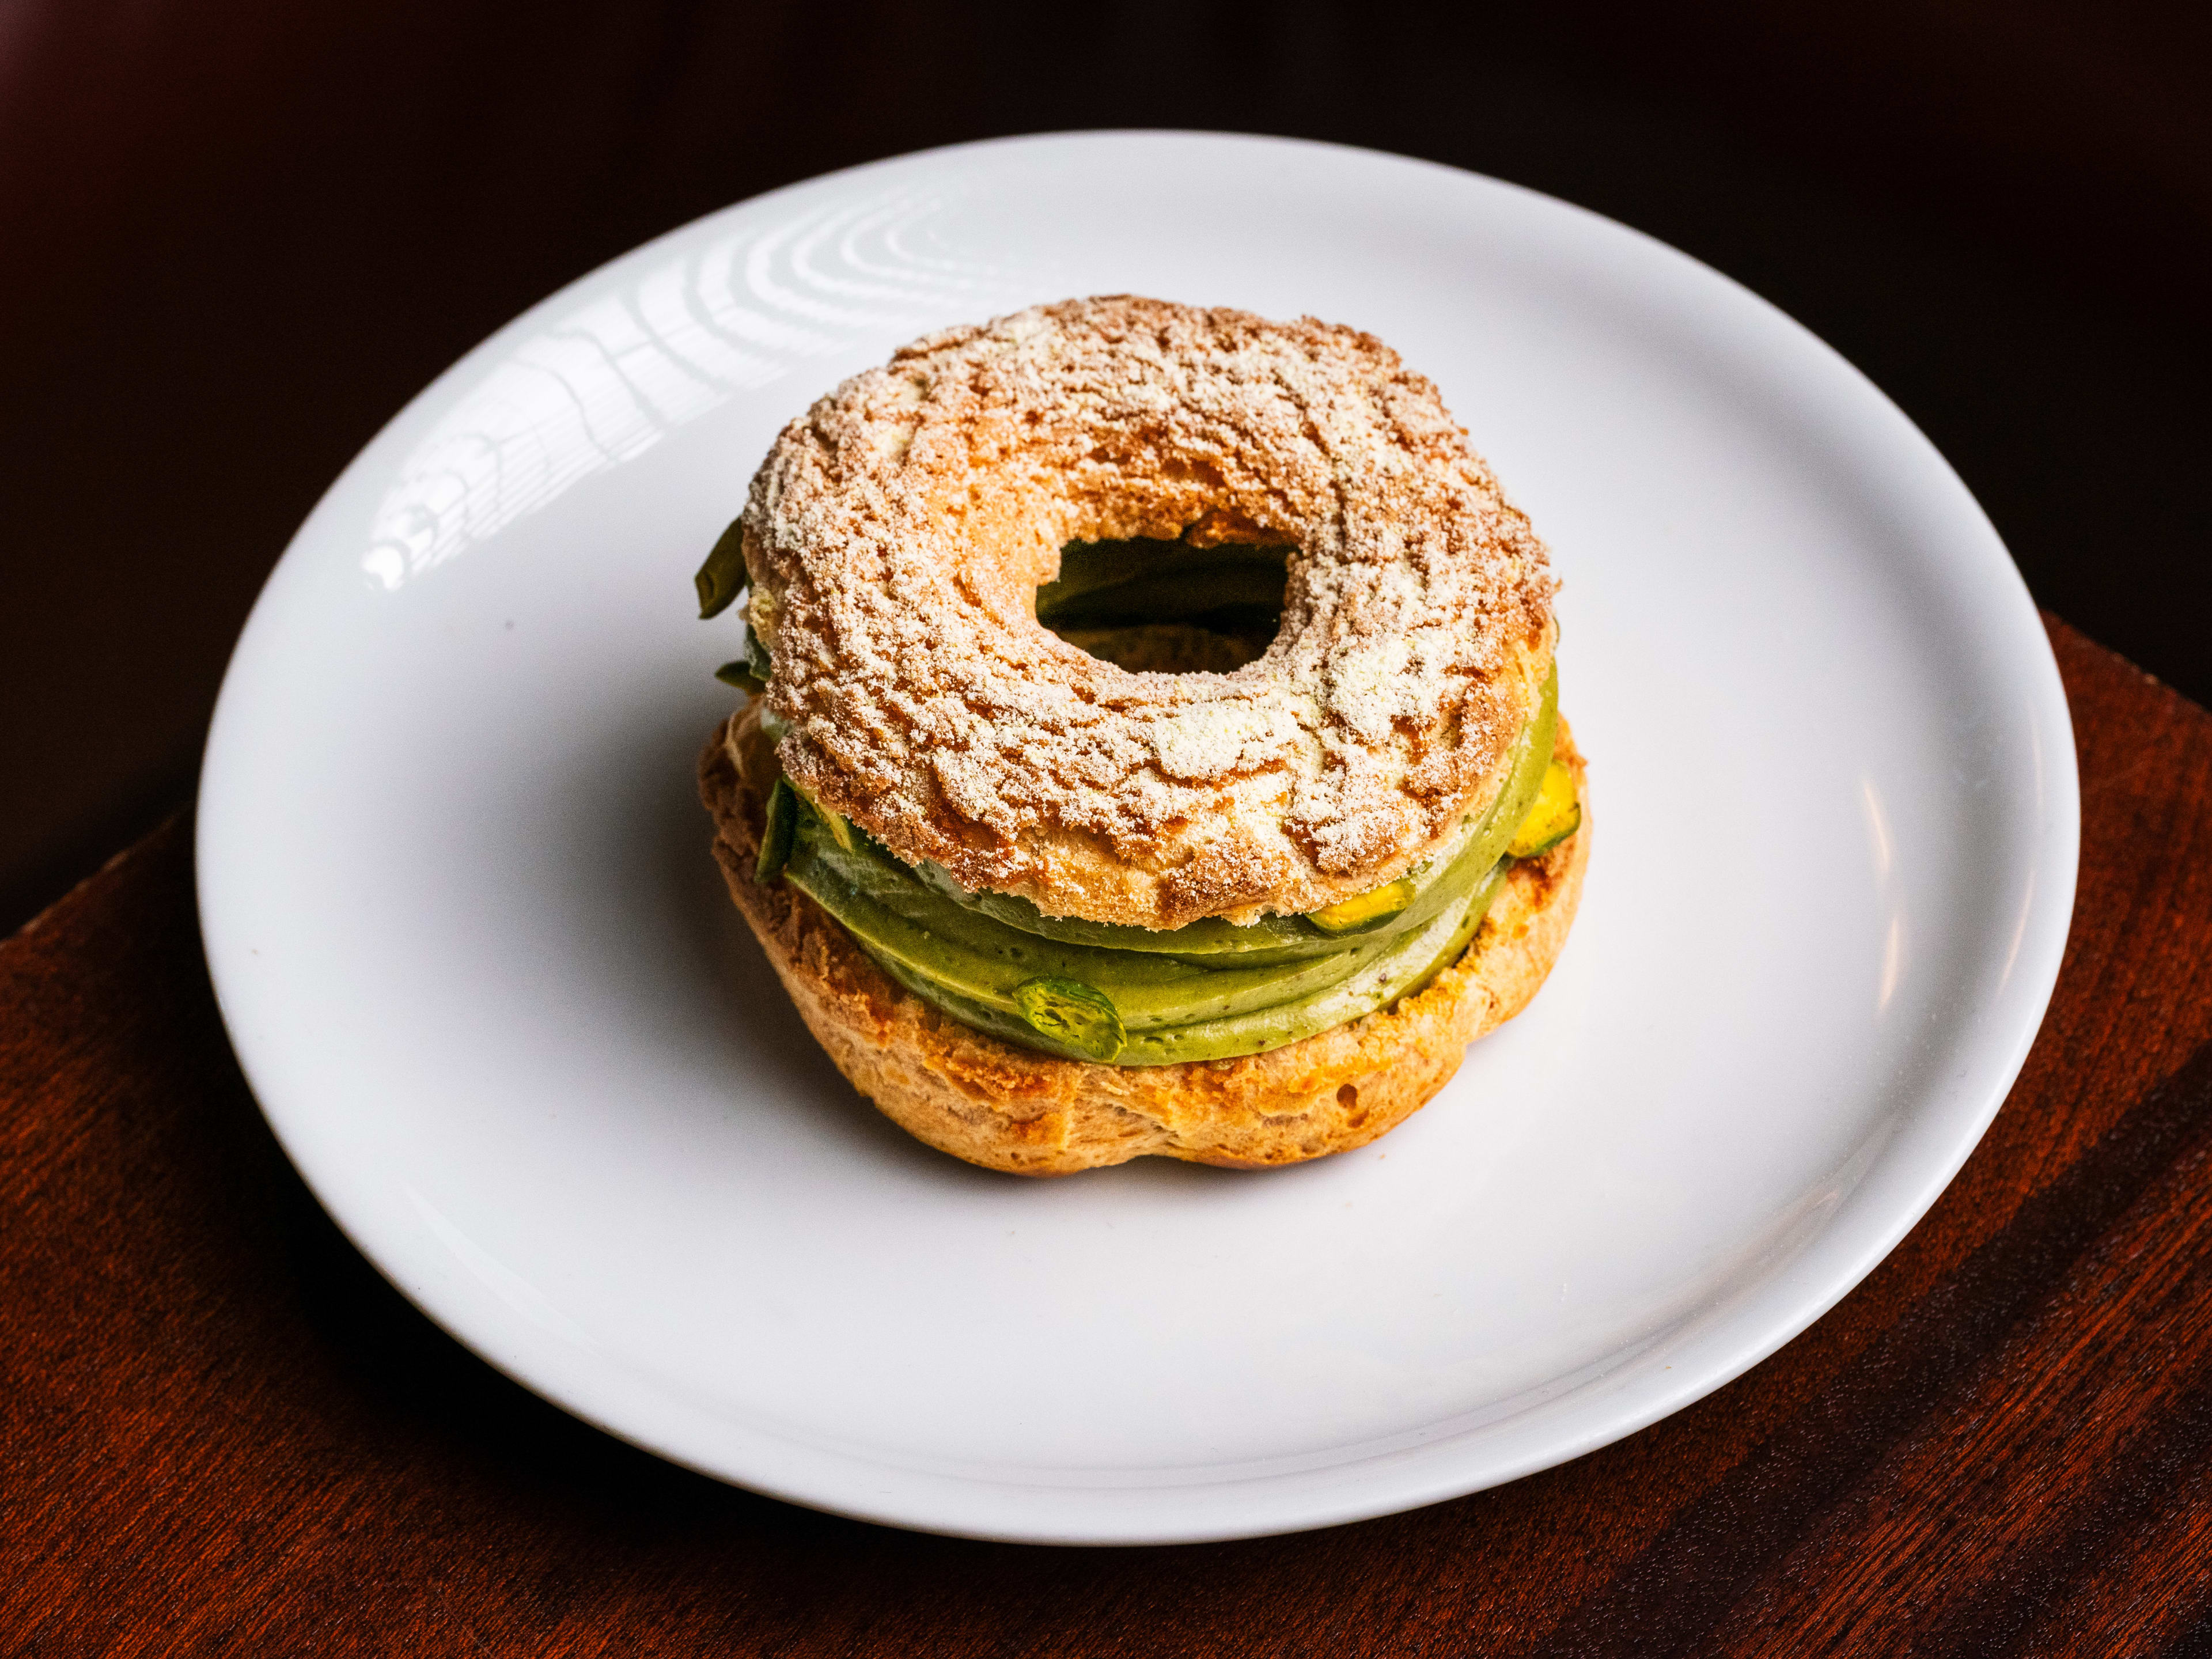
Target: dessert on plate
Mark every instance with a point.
(1152, 745)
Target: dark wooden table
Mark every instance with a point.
(222, 1432)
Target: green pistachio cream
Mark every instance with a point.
(1132, 996)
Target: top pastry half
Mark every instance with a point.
(974, 569)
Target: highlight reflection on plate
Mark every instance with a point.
(479, 968)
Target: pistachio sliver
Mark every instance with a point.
(722, 578)
(757, 661)
(777, 833)
(1364, 909)
(1072, 1014)
(752, 672)
(840, 832)
(1555, 815)
(740, 674)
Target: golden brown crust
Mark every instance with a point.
(985, 1100)
(897, 533)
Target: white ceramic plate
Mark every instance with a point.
(482, 977)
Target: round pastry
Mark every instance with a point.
(1153, 705)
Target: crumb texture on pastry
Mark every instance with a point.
(897, 531)
(1005, 1108)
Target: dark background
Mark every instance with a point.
(235, 235)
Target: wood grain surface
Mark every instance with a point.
(222, 1432)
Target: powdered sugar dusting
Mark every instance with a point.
(897, 531)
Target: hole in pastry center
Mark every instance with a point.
(1167, 606)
